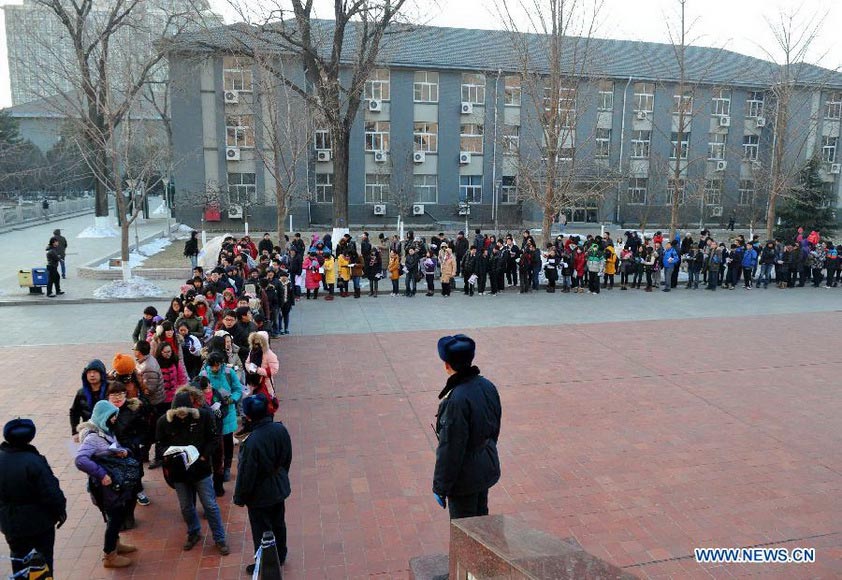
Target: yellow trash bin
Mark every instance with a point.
(25, 278)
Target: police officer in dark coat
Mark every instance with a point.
(32, 504)
(468, 425)
(263, 474)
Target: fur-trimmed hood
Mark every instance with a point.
(259, 338)
(182, 413)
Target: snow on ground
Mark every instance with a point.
(99, 232)
(137, 258)
(137, 287)
(162, 210)
(182, 232)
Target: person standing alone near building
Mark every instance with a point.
(467, 427)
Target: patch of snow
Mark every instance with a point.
(137, 287)
(162, 210)
(181, 232)
(99, 232)
(137, 258)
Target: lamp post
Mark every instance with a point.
(165, 181)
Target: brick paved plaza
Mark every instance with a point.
(729, 438)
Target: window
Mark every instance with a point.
(377, 87)
(685, 145)
(833, 106)
(322, 140)
(566, 104)
(324, 188)
(751, 147)
(242, 188)
(637, 190)
(754, 104)
(721, 102)
(603, 142)
(640, 144)
(239, 130)
(644, 97)
(377, 136)
(426, 87)
(470, 137)
(713, 191)
(508, 189)
(238, 76)
(470, 188)
(473, 88)
(683, 103)
(426, 188)
(511, 91)
(605, 100)
(426, 136)
(376, 187)
(676, 188)
(716, 146)
(829, 149)
(511, 139)
(746, 192)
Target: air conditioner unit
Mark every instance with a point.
(835, 168)
(375, 106)
(231, 97)
(464, 158)
(232, 153)
(641, 115)
(724, 121)
(721, 165)
(380, 157)
(379, 209)
(419, 157)
(323, 155)
(418, 209)
(235, 212)
(760, 121)
(716, 211)
(464, 208)
(467, 108)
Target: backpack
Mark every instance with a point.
(125, 472)
(716, 259)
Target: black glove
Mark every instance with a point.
(61, 519)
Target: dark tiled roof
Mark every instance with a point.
(491, 50)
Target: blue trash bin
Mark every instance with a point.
(39, 276)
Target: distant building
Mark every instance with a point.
(445, 117)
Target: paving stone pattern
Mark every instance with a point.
(641, 440)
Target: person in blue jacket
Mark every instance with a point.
(749, 263)
(670, 261)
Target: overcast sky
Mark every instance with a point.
(738, 25)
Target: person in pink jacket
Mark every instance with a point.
(173, 371)
(313, 277)
(263, 363)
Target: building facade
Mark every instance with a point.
(451, 122)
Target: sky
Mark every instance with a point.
(738, 25)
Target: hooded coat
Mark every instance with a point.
(269, 362)
(184, 426)
(226, 380)
(263, 467)
(85, 399)
(98, 441)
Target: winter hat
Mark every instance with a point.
(103, 411)
(222, 333)
(19, 432)
(182, 400)
(123, 364)
(255, 407)
(458, 350)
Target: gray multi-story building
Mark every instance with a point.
(452, 117)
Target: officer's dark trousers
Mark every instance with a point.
(468, 506)
(43, 542)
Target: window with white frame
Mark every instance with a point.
(829, 149)
(644, 97)
(716, 146)
(321, 138)
(833, 106)
(640, 144)
(713, 191)
(683, 103)
(676, 187)
(685, 145)
(754, 104)
(425, 89)
(378, 85)
(470, 137)
(638, 187)
(751, 147)
(721, 102)
(377, 135)
(605, 99)
(603, 142)
(239, 131)
(426, 136)
(237, 76)
(324, 188)
(508, 189)
(470, 188)
(564, 153)
(512, 91)
(376, 187)
(746, 191)
(511, 139)
(242, 188)
(426, 188)
(473, 88)
(566, 104)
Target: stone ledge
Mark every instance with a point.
(148, 273)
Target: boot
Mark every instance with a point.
(357, 292)
(113, 560)
(125, 548)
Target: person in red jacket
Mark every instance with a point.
(579, 259)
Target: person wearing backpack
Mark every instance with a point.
(225, 380)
